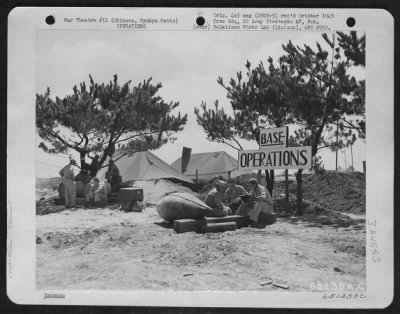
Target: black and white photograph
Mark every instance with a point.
(219, 159)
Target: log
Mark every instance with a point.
(241, 221)
(186, 225)
(218, 227)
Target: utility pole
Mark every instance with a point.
(337, 140)
(351, 151)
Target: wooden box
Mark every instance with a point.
(186, 225)
(130, 194)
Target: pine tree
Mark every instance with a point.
(326, 94)
(309, 88)
(258, 101)
(107, 119)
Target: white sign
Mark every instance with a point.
(279, 158)
(274, 137)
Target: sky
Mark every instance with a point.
(186, 63)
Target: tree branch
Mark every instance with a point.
(136, 135)
(322, 147)
(58, 137)
(350, 125)
(237, 142)
(229, 144)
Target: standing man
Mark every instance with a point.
(214, 200)
(68, 174)
(233, 193)
(112, 175)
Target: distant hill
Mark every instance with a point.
(47, 183)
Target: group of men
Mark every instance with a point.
(228, 198)
(93, 191)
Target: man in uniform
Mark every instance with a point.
(259, 205)
(233, 193)
(214, 200)
(68, 174)
(97, 193)
(263, 202)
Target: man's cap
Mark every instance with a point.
(220, 183)
(73, 161)
(253, 180)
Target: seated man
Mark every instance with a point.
(97, 192)
(214, 200)
(233, 193)
(258, 205)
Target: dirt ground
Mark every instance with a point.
(104, 248)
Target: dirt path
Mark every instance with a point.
(109, 249)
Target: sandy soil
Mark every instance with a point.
(105, 248)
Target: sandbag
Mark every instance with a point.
(181, 205)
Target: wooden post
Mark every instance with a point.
(197, 177)
(229, 174)
(364, 167)
(287, 189)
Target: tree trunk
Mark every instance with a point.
(270, 178)
(299, 209)
(337, 139)
(83, 162)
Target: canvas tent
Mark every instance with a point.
(209, 165)
(143, 166)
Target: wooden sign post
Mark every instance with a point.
(274, 153)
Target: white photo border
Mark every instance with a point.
(24, 22)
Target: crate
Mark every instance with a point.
(185, 225)
(130, 194)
